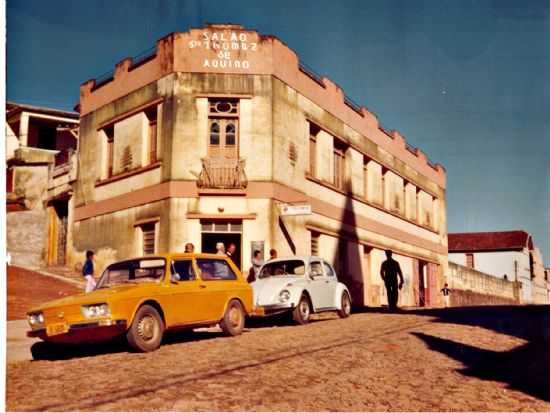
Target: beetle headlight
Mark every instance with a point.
(95, 310)
(35, 319)
(284, 296)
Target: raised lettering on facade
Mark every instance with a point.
(226, 45)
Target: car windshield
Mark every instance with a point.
(287, 267)
(134, 271)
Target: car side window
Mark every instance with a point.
(212, 269)
(328, 270)
(315, 269)
(183, 271)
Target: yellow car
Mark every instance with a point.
(143, 297)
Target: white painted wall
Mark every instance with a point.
(502, 262)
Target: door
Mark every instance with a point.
(421, 269)
(432, 284)
(318, 286)
(217, 279)
(223, 138)
(186, 296)
(61, 212)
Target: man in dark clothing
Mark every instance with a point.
(389, 271)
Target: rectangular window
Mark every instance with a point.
(148, 233)
(212, 269)
(339, 163)
(470, 260)
(313, 131)
(314, 243)
(151, 114)
(110, 134)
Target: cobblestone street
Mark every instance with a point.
(457, 359)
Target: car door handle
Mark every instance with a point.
(327, 281)
(202, 286)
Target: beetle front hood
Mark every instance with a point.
(266, 290)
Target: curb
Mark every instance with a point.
(38, 270)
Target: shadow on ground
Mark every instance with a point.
(525, 368)
(52, 351)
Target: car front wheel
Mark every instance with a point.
(301, 313)
(232, 323)
(345, 306)
(145, 333)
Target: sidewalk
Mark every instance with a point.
(18, 344)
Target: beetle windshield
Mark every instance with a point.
(134, 271)
(278, 268)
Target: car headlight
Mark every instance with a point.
(284, 296)
(35, 319)
(95, 310)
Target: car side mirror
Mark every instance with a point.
(175, 278)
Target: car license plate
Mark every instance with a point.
(57, 328)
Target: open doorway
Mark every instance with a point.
(228, 232)
(422, 283)
(61, 208)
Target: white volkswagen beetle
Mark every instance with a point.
(301, 285)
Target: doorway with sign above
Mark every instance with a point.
(226, 231)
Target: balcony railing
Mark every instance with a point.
(222, 173)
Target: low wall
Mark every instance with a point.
(471, 287)
(26, 237)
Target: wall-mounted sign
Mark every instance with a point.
(289, 209)
(230, 48)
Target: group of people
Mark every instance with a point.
(257, 261)
(390, 271)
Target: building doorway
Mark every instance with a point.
(421, 279)
(61, 217)
(228, 232)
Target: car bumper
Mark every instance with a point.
(273, 309)
(100, 330)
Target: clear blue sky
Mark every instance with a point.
(466, 81)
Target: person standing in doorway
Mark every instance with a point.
(257, 263)
(272, 254)
(189, 248)
(220, 248)
(88, 271)
(446, 295)
(231, 252)
(389, 271)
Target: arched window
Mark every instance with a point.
(214, 133)
(230, 131)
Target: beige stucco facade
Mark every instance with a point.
(146, 143)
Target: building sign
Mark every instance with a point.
(288, 209)
(230, 47)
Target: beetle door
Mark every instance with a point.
(319, 286)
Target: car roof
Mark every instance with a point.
(306, 258)
(172, 255)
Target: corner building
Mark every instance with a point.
(214, 133)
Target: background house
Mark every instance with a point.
(508, 255)
(41, 146)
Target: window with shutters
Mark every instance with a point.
(313, 131)
(339, 165)
(223, 126)
(148, 237)
(315, 243)
(151, 114)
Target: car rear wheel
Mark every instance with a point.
(145, 333)
(302, 312)
(232, 323)
(345, 306)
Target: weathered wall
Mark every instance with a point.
(31, 182)
(26, 237)
(476, 288)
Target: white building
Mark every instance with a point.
(509, 255)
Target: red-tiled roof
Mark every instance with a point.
(489, 241)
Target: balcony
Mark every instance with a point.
(222, 173)
(63, 173)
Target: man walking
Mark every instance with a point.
(88, 271)
(389, 271)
